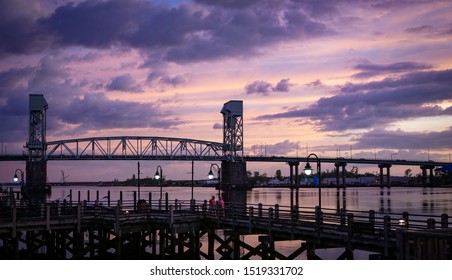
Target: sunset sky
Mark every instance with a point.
(338, 78)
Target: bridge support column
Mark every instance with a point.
(294, 186)
(234, 184)
(294, 177)
(388, 174)
(426, 180)
(343, 165)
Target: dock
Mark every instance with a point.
(163, 229)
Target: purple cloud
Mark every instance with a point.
(164, 80)
(399, 139)
(181, 34)
(264, 88)
(259, 87)
(384, 102)
(124, 83)
(370, 70)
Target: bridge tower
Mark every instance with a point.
(36, 165)
(233, 129)
(234, 168)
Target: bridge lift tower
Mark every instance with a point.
(234, 168)
(36, 166)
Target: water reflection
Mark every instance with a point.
(414, 200)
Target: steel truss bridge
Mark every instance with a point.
(164, 148)
(133, 148)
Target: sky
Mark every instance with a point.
(351, 78)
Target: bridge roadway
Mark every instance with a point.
(158, 230)
(164, 148)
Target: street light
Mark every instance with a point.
(159, 176)
(16, 178)
(211, 176)
(308, 171)
(138, 183)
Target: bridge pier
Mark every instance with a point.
(343, 165)
(424, 169)
(294, 186)
(388, 174)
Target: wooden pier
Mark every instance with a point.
(190, 230)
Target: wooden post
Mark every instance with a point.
(162, 243)
(166, 202)
(108, 198)
(431, 223)
(211, 244)
(48, 217)
(350, 221)
(171, 216)
(270, 219)
(154, 243)
(204, 208)
(372, 217)
(117, 229)
(87, 195)
(120, 197)
(251, 218)
(444, 221)
(277, 211)
(134, 201)
(150, 201)
(342, 216)
(79, 217)
(259, 210)
(386, 230)
(406, 217)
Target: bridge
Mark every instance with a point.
(229, 152)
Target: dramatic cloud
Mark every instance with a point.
(129, 66)
(370, 70)
(124, 83)
(384, 102)
(96, 111)
(264, 88)
(181, 34)
(399, 139)
(73, 109)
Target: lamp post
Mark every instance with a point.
(210, 176)
(16, 178)
(308, 171)
(138, 184)
(159, 176)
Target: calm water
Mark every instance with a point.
(414, 200)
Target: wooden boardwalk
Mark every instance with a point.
(189, 230)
